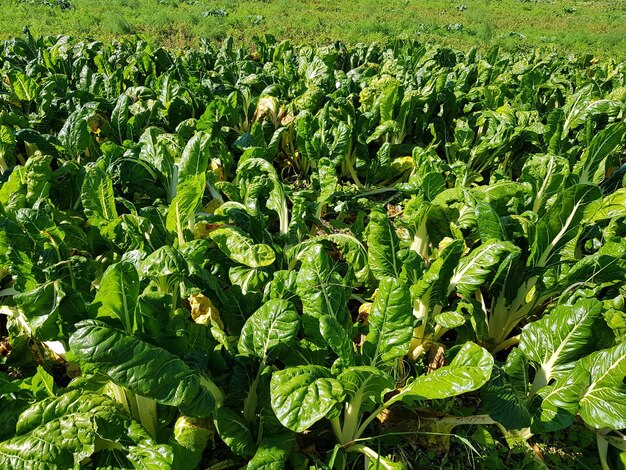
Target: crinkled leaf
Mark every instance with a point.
(273, 452)
(390, 323)
(505, 395)
(276, 323)
(556, 341)
(301, 396)
(603, 401)
(474, 269)
(60, 432)
(561, 224)
(235, 244)
(469, 370)
(97, 195)
(141, 367)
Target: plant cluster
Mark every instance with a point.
(217, 257)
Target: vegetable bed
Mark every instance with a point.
(299, 257)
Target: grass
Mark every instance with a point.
(566, 26)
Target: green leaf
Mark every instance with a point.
(97, 195)
(143, 368)
(273, 452)
(60, 432)
(435, 283)
(390, 323)
(469, 370)
(603, 401)
(561, 224)
(74, 134)
(321, 289)
(195, 160)
(610, 207)
(24, 87)
(547, 175)
(51, 309)
(383, 246)
(235, 244)
(505, 395)
(118, 293)
(257, 168)
(601, 147)
(337, 339)
(301, 396)
(489, 223)
(328, 182)
(276, 323)
(234, 430)
(146, 454)
(555, 406)
(556, 341)
(474, 269)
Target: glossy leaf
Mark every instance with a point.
(275, 323)
(390, 323)
(235, 244)
(141, 367)
(303, 395)
(469, 370)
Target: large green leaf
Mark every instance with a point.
(51, 309)
(556, 341)
(561, 224)
(24, 87)
(590, 167)
(603, 401)
(469, 370)
(275, 323)
(75, 133)
(195, 159)
(338, 339)
(235, 244)
(141, 367)
(610, 207)
(234, 430)
(383, 246)
(303, 395)
(118, 293)
(547, 175)
(505, 395)
(273, 452)
(322, 292)
(97, 195)
(435, 283)
(182, 210)
(254, 169)
(60, 432)
(555, 406)
(474, 269)
(390, 323)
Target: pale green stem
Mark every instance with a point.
(336, 425)
(249, 406)
(509, 343)
(351, 419)
(603, 449)
(147, 408)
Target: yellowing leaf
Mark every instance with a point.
(203, 311)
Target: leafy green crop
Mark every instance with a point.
(220, 258)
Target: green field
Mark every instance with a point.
(595, 27)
